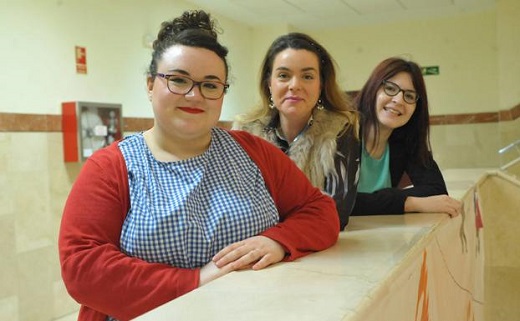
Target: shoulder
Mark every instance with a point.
(258, 148)
(106, 160)
(255, 127)
(104, 170)
(249, 140)
(327, 123)
(108, 154)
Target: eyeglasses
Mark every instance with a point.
(392, 89)
(181, 85)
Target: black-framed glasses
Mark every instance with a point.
(392, 89)
(181, 85)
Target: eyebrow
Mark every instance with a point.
(393, 83)
(303, 69)
(185, 73)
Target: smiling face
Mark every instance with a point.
(189, 116)
(392, 111)
(295, 84)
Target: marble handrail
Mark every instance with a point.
(378, 270)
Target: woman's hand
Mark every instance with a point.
(256, 252)
(210, 272)
(433, 204)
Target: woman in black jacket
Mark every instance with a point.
(395, 144)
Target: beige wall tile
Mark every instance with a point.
(27, 152)
(9, 308)
(32, 218)
(63, 304)
(502, 296)
(35, 297)
(500, 203)
(34, 182)
(466, 145)
(4, 143)
(8, 272)
(6, 198)
(509, 133)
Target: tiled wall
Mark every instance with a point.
(34, 184)
(466, 145)
(499, 203)
(473, 140)
(509, 134)
(474, 145)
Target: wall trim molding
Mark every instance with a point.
(14, 122)
(487, 117)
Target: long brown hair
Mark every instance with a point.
(416, 132)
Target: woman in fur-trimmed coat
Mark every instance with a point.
(307, 116)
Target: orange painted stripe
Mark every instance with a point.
(422, 293)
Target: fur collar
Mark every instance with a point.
(315, 150)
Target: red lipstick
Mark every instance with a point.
(191, 110)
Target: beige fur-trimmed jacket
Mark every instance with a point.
(328, 152)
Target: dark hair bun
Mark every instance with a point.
(193, 28)
(194, 19)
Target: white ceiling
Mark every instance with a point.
(321, 14)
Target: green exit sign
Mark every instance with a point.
(430, 70)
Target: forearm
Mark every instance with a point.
(388, 201)
(434, 204)
(412, 204)
(314, 227)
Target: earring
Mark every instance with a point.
(271, 103)
(319, 105)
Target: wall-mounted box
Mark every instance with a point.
(89, 126)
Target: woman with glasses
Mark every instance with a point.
(305, 113)
(395, 142)
(162, 212)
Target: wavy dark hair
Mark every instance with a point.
(415, 134)
(193, 28)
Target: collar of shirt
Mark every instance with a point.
(274, 125)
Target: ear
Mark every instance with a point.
(149, 83)
(149, 86)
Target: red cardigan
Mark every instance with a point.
(107, 282)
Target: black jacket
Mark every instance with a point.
(426, 180)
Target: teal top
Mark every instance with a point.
(374, 173)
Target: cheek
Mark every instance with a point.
(277, 93)
(216, 106)
(381, 100)
(277, 87)
(411, 110)
(316, 90)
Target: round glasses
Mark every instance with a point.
(392, 89)
(181, 85)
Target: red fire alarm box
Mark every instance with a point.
(88, 127)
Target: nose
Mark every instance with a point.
(295, 83)
(194, 92)
(399, 97)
